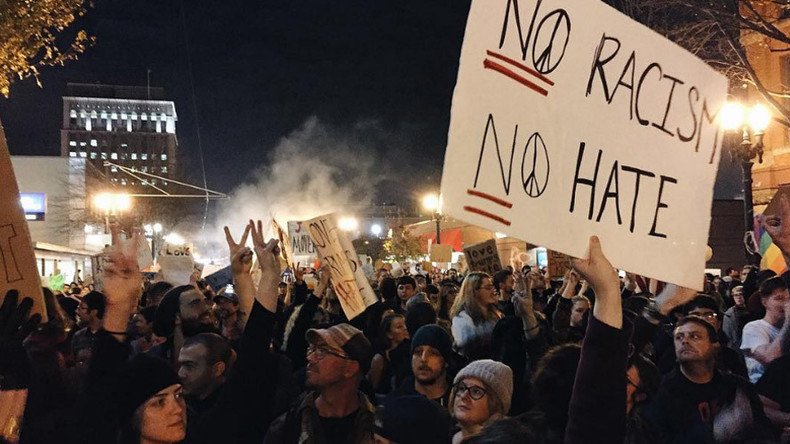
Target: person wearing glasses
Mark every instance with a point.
(481, 395)
(333, 410)
(474, 315)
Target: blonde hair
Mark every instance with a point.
(467, 300)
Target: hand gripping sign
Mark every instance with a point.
(570, 119)
(17, 261)
(348, 278)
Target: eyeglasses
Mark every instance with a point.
(475, 392)
(322, 352)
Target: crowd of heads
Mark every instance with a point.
(442, 356)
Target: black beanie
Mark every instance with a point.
(434, 336)
(412, 419)
(165, 316)
(142, 376)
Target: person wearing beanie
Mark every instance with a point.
(411, 419)
(481, 394)
(431, 351)
(151, 408)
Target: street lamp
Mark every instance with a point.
(112, 205)
(752, 124)
(433, 203)
(376, 229)
(348, 223)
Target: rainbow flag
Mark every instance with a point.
(772, 257)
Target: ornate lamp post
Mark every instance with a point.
(752, 124)
(432, 202)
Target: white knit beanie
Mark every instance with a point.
(496, 375)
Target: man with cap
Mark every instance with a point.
(231, 319)
(411, 419)
(431, 349)
(333, 410)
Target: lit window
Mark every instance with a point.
(123, 181)
(123, 116)
(164, 169)
(164, 156)
(134, 115)
(134, 156)
(94, 143)
(114, 169)
(72, 154)
(124, 145)
(164, 183)
(114, 156)
(164, 117)
(83, 144)
(82, 114)
(144, 156)
(158, 126)
(73, 114)
(72, 143)
(114, 115)
(144, 169)
(88, 124)
(104, 114)
(143, 116)
(83, 154)
(153, 182)
(93, 155)
(113, 180)
(94, 114)
(104, 156)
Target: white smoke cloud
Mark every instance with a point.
(317, 169)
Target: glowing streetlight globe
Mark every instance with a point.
(759, 118)
(376, 229)
(348, 223)
(732, 116)
(431, 202)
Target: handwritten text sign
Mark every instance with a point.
(17, 261)
(569, 119)
(483, 257)
(348, 279)
(286, 250)
(301, 244)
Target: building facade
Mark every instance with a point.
(130, 126)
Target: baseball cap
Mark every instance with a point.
(346, 339)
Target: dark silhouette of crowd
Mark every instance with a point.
(442, 357)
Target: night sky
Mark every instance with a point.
(261, 68)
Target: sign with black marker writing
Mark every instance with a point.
(17, 260)
(569, 119)
(483, 257)
(348, 278)
(301, 244)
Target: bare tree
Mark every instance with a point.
(713, 29)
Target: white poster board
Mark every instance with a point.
(348, 278)
(301, 244)
(570, 119)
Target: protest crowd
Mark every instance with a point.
(441, 357)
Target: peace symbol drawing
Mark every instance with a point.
(535, 166)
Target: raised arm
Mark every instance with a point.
(597, 409)
(270, 267)
(240, 266)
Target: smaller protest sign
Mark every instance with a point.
(301, 243)
(144, 257)
(176, 270)
(483, 257)
(348, 279)
(441, 253)
(176, 249)
(220, 278)
(18, 269)
(287, 249)
(558, 263)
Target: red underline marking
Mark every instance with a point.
(494, 199)
(487, 214)
(522, 66)
(502, 70)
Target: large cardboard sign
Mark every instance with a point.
(17, 261)
(348, 278)
(570, 119)
(483, 257)
(301, 244)
(441, 253)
